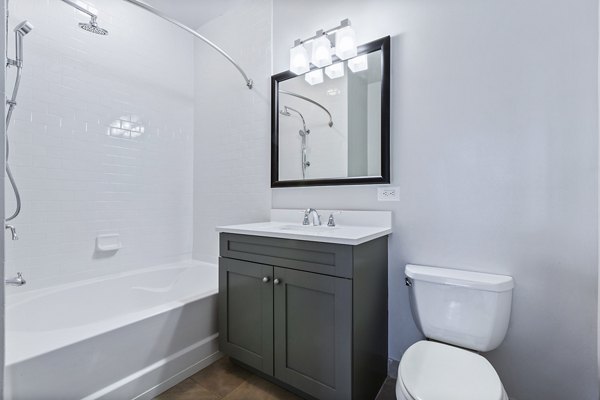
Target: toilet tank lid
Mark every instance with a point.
(458, 277)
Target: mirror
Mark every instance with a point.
(336, 132)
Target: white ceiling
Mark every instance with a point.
(194, 13)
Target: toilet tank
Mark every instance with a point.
(463, 308)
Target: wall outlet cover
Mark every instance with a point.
(388, 194)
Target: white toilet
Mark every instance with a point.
(457, 310)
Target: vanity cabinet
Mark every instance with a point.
(310, 316)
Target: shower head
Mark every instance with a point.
(23, 28)
(285, 112)
(93, 27)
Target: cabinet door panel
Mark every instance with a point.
(246, 312)
(313, 316)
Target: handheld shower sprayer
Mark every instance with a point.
(21, 30)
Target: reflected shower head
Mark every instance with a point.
(93, 27)
(23, 28)
(286, 111)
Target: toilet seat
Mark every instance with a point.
(436, 371)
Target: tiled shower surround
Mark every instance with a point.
(78, 177)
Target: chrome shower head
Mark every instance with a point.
(285, 112)
(23, 28)
(93, 27)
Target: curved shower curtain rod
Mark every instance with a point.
(310, 101)
(186, 28)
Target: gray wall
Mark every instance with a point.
(494, 136)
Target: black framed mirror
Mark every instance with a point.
(336, 132)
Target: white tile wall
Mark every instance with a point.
(75, 180)
(232, 125)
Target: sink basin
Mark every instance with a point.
(308, 228)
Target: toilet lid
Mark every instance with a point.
(435, 371)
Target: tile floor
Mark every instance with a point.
(224, 380)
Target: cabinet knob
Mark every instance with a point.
(265, 279)
(276, 281)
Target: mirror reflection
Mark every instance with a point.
(330, 127)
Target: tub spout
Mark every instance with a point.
(13, 232)
(18, 281)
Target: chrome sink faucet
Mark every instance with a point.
(17, 281)
(316, 218)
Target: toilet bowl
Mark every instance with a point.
(461, 312)
(435, 371)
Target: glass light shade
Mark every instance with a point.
(321, 52)
(299, 60)
(314, 77)
(335, 70)
(359, 63)
(345, 43)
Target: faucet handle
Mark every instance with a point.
(306, 221)
(331, 221)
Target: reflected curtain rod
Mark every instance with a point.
(149, 8)
(309, 100)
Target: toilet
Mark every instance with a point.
(461, 313)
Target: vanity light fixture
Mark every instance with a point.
(314, 77)
(340, 41)
(299, 63)
(321, 52)
(345, 40)
(335, 70)
(359, 63)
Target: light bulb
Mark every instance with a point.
(345, 40)
(299, 60)
(321, 52)
(335, 70)
(314, 77)
(359, 63)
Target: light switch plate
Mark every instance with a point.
(388, 194)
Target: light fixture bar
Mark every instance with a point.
(344, 23)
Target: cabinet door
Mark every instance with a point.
(313, 329)
(246, 312)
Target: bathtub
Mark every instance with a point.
(124, 336)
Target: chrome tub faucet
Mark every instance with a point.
(17, 281)
(13, 232)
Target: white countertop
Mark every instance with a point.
(352, 227)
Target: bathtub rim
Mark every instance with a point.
(15, 299)
(86, 332)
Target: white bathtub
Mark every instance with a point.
(125, 336)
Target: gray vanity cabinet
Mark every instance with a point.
(313, 318)
(246, 332)
(310, 316)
